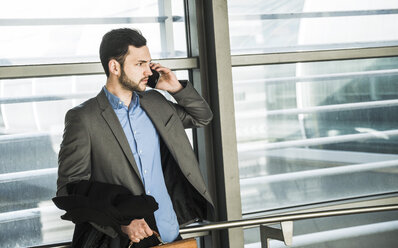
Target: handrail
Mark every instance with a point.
(266, 220)
(287, 217)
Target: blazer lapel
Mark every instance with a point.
(155, 112)
(113, 122)
(152, 112)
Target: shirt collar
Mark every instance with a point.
(116, 103)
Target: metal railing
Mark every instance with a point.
(285, 220)
(287, 217)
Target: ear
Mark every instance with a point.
(114, 67)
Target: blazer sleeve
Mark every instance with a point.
(192, 109)
(74, 155)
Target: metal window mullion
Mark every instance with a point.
(319, 14)
(201, 136)
(85, 21)
(313, 56)
(197, 76)
(72, 69)
(166, 28)
(69, 69)
(219, 72)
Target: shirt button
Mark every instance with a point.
(145, 171)
(120, 102)
(135, 132)
(148, 192)
(140, 151)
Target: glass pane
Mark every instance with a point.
(258, 26)
(62, 32)
(315, 132)
(354, 231)
(32, 115)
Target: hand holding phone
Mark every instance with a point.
(163, 79)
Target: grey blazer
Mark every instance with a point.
(94, 145)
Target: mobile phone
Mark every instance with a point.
(153, 79)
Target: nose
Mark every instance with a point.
(148, 71)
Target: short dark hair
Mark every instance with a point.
(115, 45)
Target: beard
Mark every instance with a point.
(129, 84)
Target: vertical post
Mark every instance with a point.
(196, 47)
(215, 65)
(284, 234)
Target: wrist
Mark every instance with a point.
(176, 88)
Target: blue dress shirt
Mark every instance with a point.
(144, 143)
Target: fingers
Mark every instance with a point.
(168, 80)
(158, 67)
(148, 231)
(154, 66)
(138, 236)
(135, 240)
(137, 230)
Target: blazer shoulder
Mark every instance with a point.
(83, 110)
(153, 95)
(87, 106)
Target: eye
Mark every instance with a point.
(140, 64)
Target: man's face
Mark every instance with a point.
(135, 71)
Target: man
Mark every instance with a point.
(135, 138)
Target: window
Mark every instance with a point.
(32, 110)
(328, 128)
(297, 25)
(45, 32)
(316, 132)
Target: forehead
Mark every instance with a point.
(137, 54)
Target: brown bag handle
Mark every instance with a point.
(159, 238)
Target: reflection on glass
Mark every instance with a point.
(258, 26)
(354, 231)
(315, 132)
(46, 32)
(31, 125)
(32, 115)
